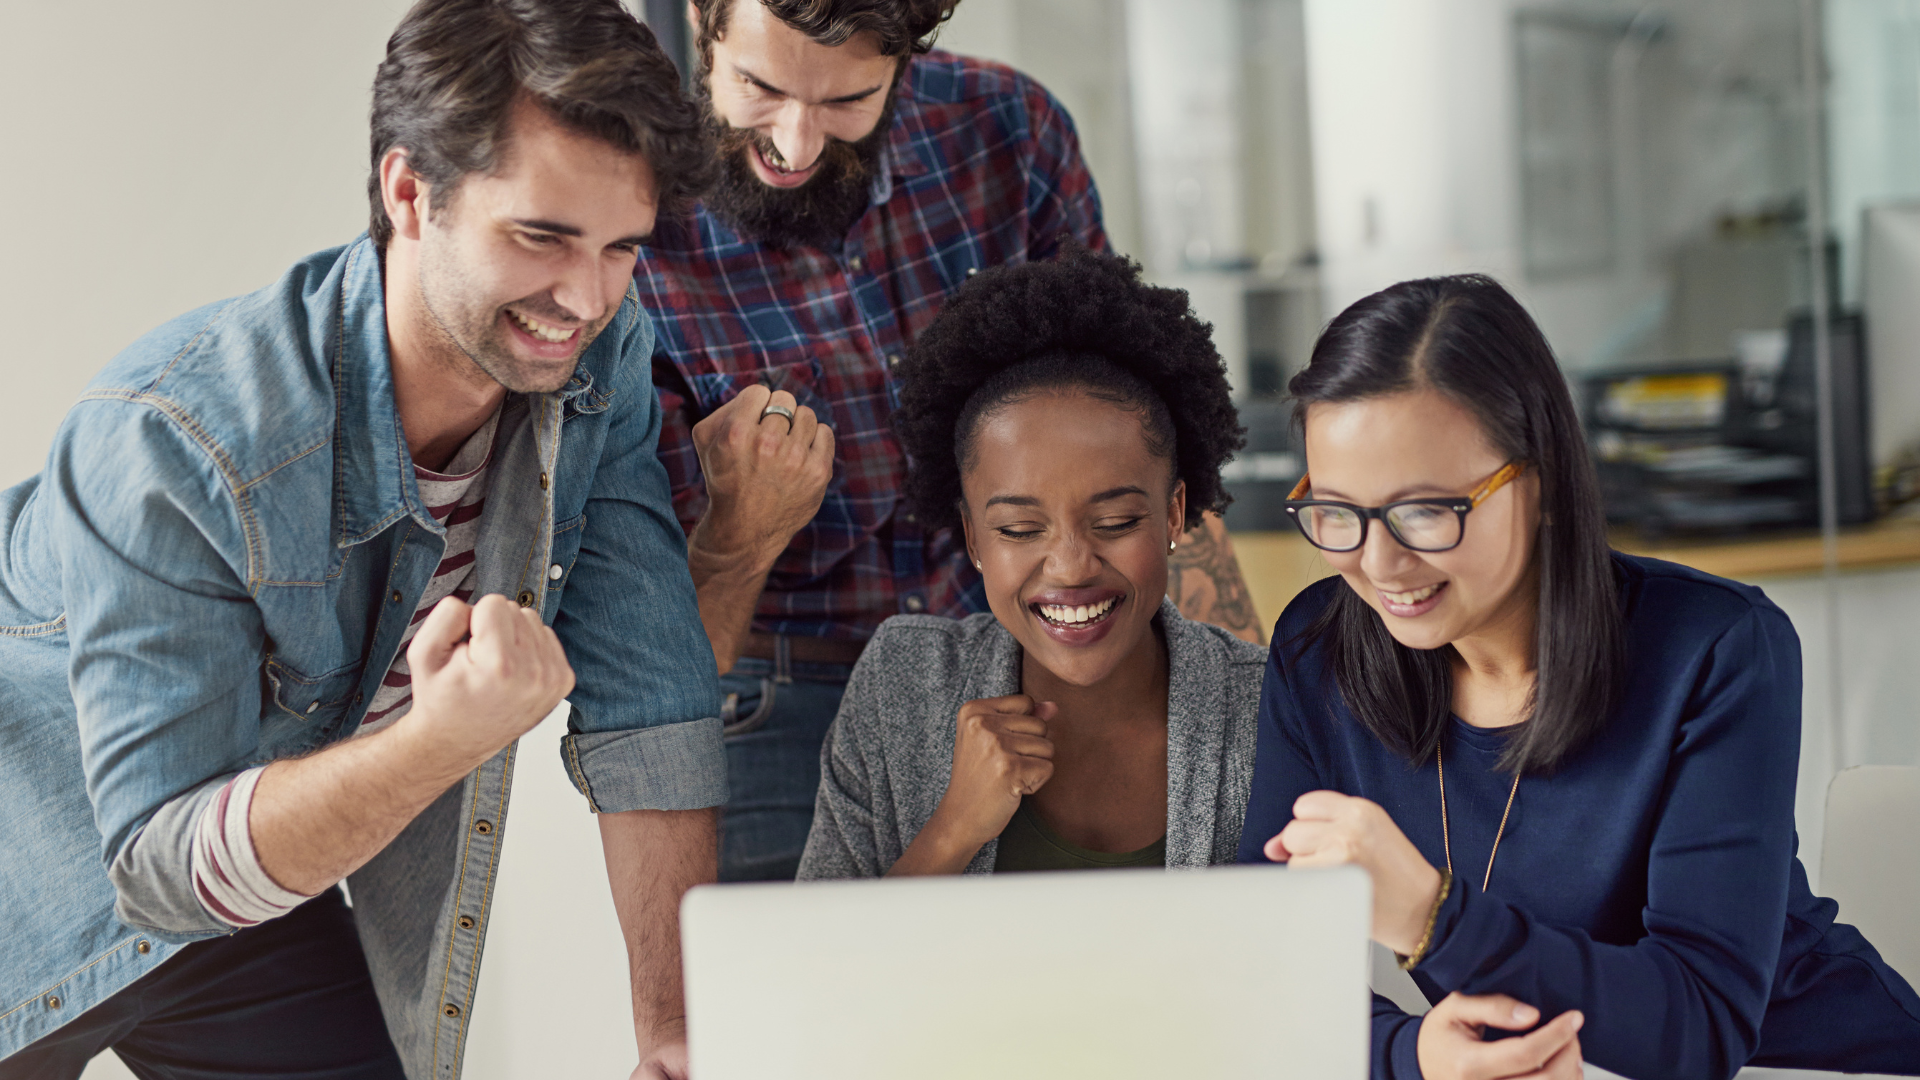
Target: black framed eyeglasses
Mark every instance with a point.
(1427, 525)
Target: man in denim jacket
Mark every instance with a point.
(240, 660)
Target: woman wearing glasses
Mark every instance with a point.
(1568, 772)
(1065, 419)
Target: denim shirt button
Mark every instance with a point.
(450, 1009)
(313, 708)
(555, 572)
(143, 946)
(53, 1001)
(483, 827)
(466, 922)
(526, 598)
(396, 596)
(544, 482)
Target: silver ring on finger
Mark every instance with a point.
(778, 410)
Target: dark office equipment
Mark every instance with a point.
(1260, 476)
(1710, 448)
(1852, 409)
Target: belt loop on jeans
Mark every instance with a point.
(782, 659)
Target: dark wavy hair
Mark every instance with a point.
(1084, 321)
(903, 26)
(454, 68)
(1468, 338)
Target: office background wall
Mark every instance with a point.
(159, 157)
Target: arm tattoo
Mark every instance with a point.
(1204, 582)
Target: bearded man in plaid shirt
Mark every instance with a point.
(864, 176)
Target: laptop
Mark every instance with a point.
(1222, 974)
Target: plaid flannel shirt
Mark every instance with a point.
(983, 168)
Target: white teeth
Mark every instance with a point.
(1077, 614)
(1413, 597)
(541, 330)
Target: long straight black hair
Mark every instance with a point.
(1469, 339)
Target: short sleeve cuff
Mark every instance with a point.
(679, 766)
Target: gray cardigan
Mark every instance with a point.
(887, 759)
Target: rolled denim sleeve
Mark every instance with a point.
(165, 640)
(643, 734)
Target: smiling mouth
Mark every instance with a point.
(1077, 616)
(542, 330)
(776, 163)
(1409, 599)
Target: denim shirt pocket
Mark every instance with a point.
(566, 548)
(304, 709)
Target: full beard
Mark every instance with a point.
(816, 214)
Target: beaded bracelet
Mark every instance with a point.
(1408, 962)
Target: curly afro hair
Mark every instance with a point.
(1082, 320)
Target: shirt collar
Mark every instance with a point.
(373, 482)
(372, 470)
(902, 158)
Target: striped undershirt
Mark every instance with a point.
(455, 499)
(227, 875)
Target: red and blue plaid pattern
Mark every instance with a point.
(983, 168)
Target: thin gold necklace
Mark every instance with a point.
(1446, 841)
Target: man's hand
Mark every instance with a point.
(1331, 829)
(765, 477)
(667, 1062)
(1000, 755)
(1451, 1045)
(482, 677)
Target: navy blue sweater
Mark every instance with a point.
(1651, 881)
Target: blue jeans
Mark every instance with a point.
(288, 998)
(775, 722)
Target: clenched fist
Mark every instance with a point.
(1000, 755)
(765, 474)
(1332, 829)
(483, 675)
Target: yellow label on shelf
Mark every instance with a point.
(1697, 399)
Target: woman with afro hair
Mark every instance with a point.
(1071, 420)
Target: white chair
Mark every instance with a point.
(1870, 861)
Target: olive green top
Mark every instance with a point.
(1027, 844)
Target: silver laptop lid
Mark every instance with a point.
(1220, 974)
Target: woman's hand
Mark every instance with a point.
(1331, 829)
(1451, 1044)
(1000, 754)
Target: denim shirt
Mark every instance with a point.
(215, 570)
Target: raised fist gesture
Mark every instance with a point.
(484, 675)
